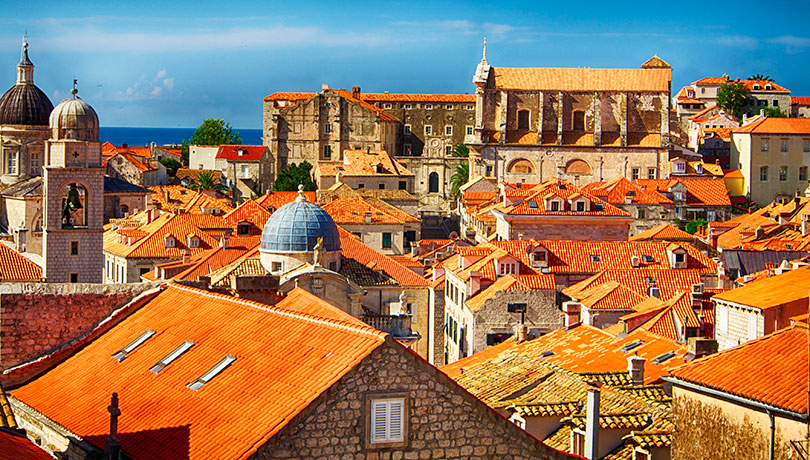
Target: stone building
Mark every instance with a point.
(322, 384)
(321, 126)
(361, 169)
(580, 125)
(138, 171)
(250, 168)
(383, 227)
(702, 93)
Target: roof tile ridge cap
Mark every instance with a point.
(367, 330)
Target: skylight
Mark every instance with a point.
(532, 204)
(546, 354)
(664, 357)
(595, 258)
(205, 378)
(133, 345)
(647, 259)
(631, 346)
(172, 356)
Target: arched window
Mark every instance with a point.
(433, 182)
(578, 168)
(124, 210)
(521, 166)
(74, 206)
(523, 120)
(579, 120)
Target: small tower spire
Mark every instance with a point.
(25, 68)
(74, 91)
(301, 196)
(484, 58)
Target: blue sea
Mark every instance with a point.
(165, 136)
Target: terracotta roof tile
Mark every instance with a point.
(289, 96)
(610, 295)
(250, 212)
(364, 163)
(773, 291)
(708, 191)
(353, 248)
(663, 232)
(777, 125)
(399, 97)
(533, 202)
(772, 370)
(799, 100)
(581, 79)
(16, 267)
(353, 211)
(275, 200)
(154, 244)
(241, 152)
(6, 415)
(17, 447)
(286, 356)
(670, 282)
(617, 190)
(177, 197)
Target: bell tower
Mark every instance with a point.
(73, 195)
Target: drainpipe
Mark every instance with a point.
(773, 434)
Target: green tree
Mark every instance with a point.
(761, 77)
(693, 226)
(460, 177)
(207, 181)
(171, 165)
(213, 131)
(460, 151)
(291, 176)
(732, 98)
(774, 112)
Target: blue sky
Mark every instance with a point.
(175, 63)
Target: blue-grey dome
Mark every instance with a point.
(296, 227)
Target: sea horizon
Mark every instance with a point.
(142, 136)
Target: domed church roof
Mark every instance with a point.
(296, 227)
(74, 119)
(24, 103)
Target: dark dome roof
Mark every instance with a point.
(25, 105)
(296, 227)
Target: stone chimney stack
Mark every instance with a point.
(592, 424)
(572, 312)
(635, 366)
(368, 217)
(805, 224)
(521, 333)
(324, 87)
(223, 242)
(356, 92)
(186, 256)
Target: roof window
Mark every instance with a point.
(172, 356)
(121, 355)
(532, 204)
(546, 354)
(596, 258)
(664, 357)
(647, 259)
(631, 346)
(205, 378)
(599, 206)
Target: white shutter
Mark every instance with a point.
(752, 326)
(378, 421)
(387, 420)
(396, 412)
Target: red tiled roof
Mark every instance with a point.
(352, 210)
(776, 125)
(662, 232)
(609, 296)
(16, 267)
(524, 199)
(212, 260)
(250, 212)
(773, 291)
(399, 97)
(670, 282)
(276, 200)
(289, 96)
(799, 100)
(140, 165)
(18, 447)
(772, 370)
(618, 189)
(154, 244)
(581, 79)
(184, 198)
(707, 191)
(353, 248)
(108, 149)
(712, 81)
(248, 152)
(286, 356)
(363, 163)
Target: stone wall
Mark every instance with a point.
(542, 316)
(443, 420)
(36, 319)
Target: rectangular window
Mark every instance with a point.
(74, 277)
(776, 103)
(802, 173)
(641, 213)
(596, 258)
(408, 106)
(783, 173)
(406, 149)
(387, 421)
(470, 107)
(448, 130)
(244, 172)
(172, 356)
(765, 145)
(469, 130)
(650, 173)
(205, 378)
(580, 206)
(428, 130)
(74, 248)
(381, 186)
(388, 106)
(448, 150)
(407, 129)
(276, 266)
(806, 145)
(448, 106)
(635, 173)
(763, 173)
(555, 206)
(327, 152)
(428, 106)
(361, 185)
(403, 185)
(784, 145)
(12, 163)
(386, 240)
(36, 165)
(327, 128)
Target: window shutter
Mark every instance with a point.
(387, 421)
(395, 426)
(378, 421)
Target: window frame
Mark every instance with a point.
(390, 242)
(372, 397)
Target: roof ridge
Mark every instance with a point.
(275, 310)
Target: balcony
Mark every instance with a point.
(399, 326)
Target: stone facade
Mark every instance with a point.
(563, 228)
(372, 235)
(443, 421)
(121, 168)
(36, 319)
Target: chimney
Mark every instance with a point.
(112, 447)
(762, 113)
(592, 424)
(652, 290)
(368, 217)
(697, 297)
(572, 313)
(356, 92)
(223, 242)
(475, 283)
(324, 87)
(521, 333)
(186, 256)
(698, 347)
(635, 366)
(805, 224)
(124, 146)
(745, 119)
(635, 262)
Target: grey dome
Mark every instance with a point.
(296, 227)
(74, 119)
(25, 104)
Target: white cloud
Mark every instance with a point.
(791, 40)
(168, 83)
(156, 91)
(145, 88)
(160, 74)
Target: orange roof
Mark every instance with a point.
(670, 282)
(385, 116)
(212, 260)
(618, 189)
(585, 349)
(250, 212)
(15, 446)
(686, 100)
(108, 149)
(773, 291)
(770, 370)
(184, 198)
(777, 125)
(154, 244)
(581, 79)
(510, 283)
(663, 232)
(140, 165)
(16, 267)
(289, 96)
(533, 202)
(668, 320)
(399, 97)
(286, 356)
(609, 296)
(363, 163)
(762, 83)
(354, 249)
(706, 191)
(276, 200)
(241, 152)
(352, 210)
(740, 227)
(712, 81)
(799, 100)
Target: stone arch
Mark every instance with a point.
(578, 167)
(433, 182)
(521, 166)
(73, 217)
